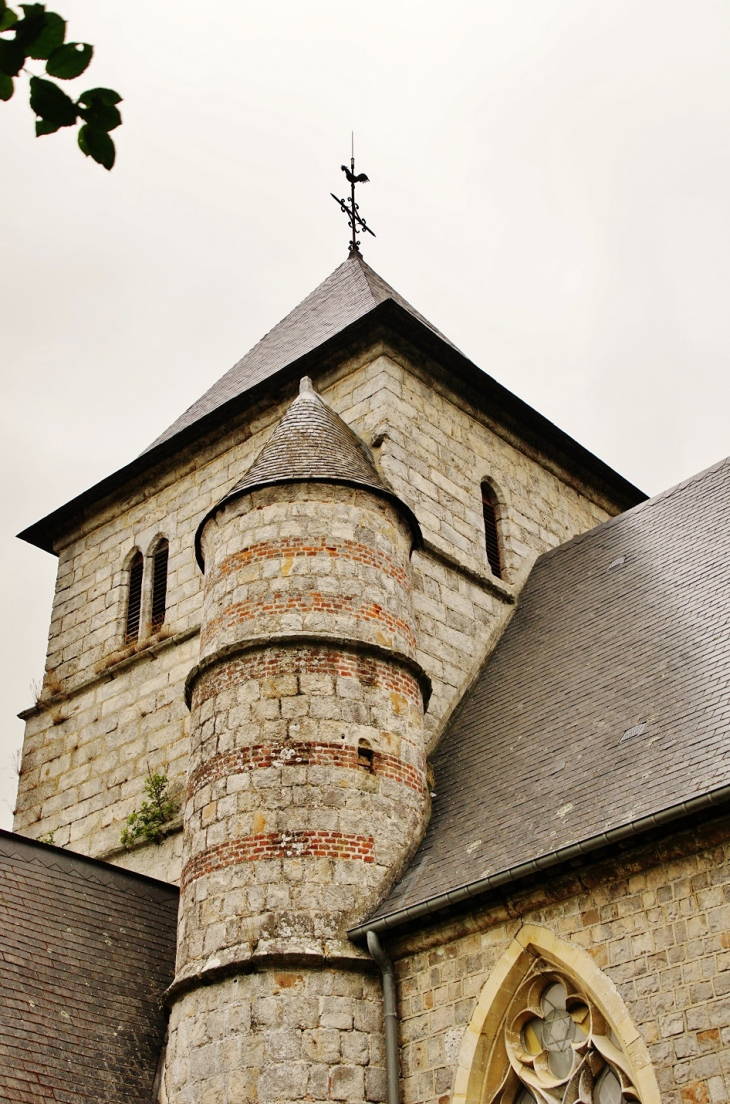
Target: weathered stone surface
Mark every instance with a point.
(307, 788)
(87, 754)
(654, 921)
(268, 1037)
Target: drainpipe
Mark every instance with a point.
(391, 1017)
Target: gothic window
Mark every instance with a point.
(556, 1047)
(159, 584)
(134, 598)
(491, 535)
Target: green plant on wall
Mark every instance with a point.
(150, 821)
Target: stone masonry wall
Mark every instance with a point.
(279, 1036)
(88, 748)
(288, 836)
(656, 922)
(436, 453)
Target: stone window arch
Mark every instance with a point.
(133, 610)
(159, 556)
(492, 513)
(550, 1028)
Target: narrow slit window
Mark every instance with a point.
(134, 600)
(491, 536)
(366, 758)
(159, 585)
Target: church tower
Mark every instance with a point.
(307, 786)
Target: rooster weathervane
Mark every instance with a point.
(355, 221)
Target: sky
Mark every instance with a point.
(549, 185)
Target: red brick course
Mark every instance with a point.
(279, 845)
(310, 659)
(261, 756)
(310, 602)
(306, 547)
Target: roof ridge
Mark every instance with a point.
(647, 504)
(29, 850)
(350, 292)
(381, 290)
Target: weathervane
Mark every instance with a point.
(355, 221)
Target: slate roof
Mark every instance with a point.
(606, 700)
(350, 292)
(313, 444)
(86, 953)
(350, 310)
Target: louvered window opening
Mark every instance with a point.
(490, 532)
(134, 601)
(159, 585)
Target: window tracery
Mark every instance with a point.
(556, 1047)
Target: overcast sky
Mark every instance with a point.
(550, 186)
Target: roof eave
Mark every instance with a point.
(424, 910)
(391, 320)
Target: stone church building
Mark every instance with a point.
(441, 703)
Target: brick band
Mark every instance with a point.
(279, 845)
(238, 613)
(262, 756)
(289, 548)
(303, 653)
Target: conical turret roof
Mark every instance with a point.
(312, 444)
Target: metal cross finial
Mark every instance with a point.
(355, 221)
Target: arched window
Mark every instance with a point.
(159, 584)
(134, 598)
(557, 1044)
(549, 1026)
(491, 536)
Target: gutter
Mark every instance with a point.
(535, 866)
(391, 1017)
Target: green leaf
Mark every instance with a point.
(8, 18)
(30, 26)
(100, 111)
(69, 61)
(97, 144)
(51, 36)
(43, 126)
(48, 101)
(12, 58)
(106, 96)
(6, 86)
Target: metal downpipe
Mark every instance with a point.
(392, 1064)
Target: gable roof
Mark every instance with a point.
(86, 953)
(606, 702)
(350, 311)
(312, 444)
(350, 292)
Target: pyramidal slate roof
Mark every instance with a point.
(606, 701)
(313, 444)
(87, 951)
(350, 292)
(350, 306)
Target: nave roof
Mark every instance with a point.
(607, 699)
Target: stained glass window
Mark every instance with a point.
(556, 1046)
